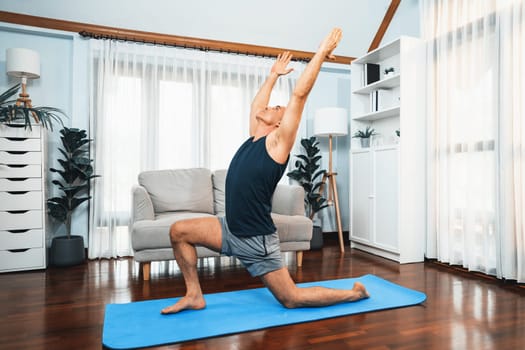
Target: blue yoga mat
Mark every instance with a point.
(140, 324)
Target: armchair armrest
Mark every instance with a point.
(288, 200)
(141, 207)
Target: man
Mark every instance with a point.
(247, 231)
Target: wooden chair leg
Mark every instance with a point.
(299, 255)
(145, 270)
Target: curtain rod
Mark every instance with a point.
(162, 39)
(100, 36)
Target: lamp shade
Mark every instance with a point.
(23, 63)
(331, 121)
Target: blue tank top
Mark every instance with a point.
(250, 183)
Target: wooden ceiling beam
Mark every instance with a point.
(390, 12)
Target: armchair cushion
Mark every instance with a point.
(288, 200)
(219, 185)
(293, 228)
(179, 190)
(142, 208)
(152, 234)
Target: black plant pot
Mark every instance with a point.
(317, 241)
(67, 251)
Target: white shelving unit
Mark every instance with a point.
(22, 198)
(387, 180)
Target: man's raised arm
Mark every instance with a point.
(286, 133)
(261, 100)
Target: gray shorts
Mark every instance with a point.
(259, 254)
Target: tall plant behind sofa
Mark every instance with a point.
(308, 175)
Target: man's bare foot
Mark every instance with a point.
(185, 303)
(360, 290)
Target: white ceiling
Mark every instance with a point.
(292, 24)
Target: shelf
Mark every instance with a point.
(387, 181)
(385, 113)
(389, 146)
(388, 83)
(381, 53)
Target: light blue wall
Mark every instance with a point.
(62, 84)
(297, 25)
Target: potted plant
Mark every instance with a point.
(12, 113)
(308, 175)
(74, 180)
(365, 136)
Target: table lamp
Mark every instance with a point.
(24, 64)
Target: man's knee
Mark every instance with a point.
(289, 299)
(289, 302)
(177, 231)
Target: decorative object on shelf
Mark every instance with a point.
(25, 64)
(332, 121)
(380, 99)
(370, 73)
(365, 136)
(389, 71)
(307, 173)
(76, 174)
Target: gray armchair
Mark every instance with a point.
(163, 197)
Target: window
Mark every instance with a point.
(176, 124)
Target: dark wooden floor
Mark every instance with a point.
(63, 308)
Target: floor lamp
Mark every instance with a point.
(332, 122)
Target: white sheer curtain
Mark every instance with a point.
(476, 105)
(159, 107)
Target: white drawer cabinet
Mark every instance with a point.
(21, 184)
(19, 131)
(19, 220)
(20, 157)
(22, 259)
(19, 144)
(21, 239)
(13, 201)
(22, 199)
(20, 171)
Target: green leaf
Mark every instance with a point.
(56, 211)
(7, 94)
(75, 202)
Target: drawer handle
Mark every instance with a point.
(18, 231)
(17, 179)
(17, 211)
(16, 165)
(18, 139)
(17, 152)
(18, 250)
(17, 192)
(20, 126)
